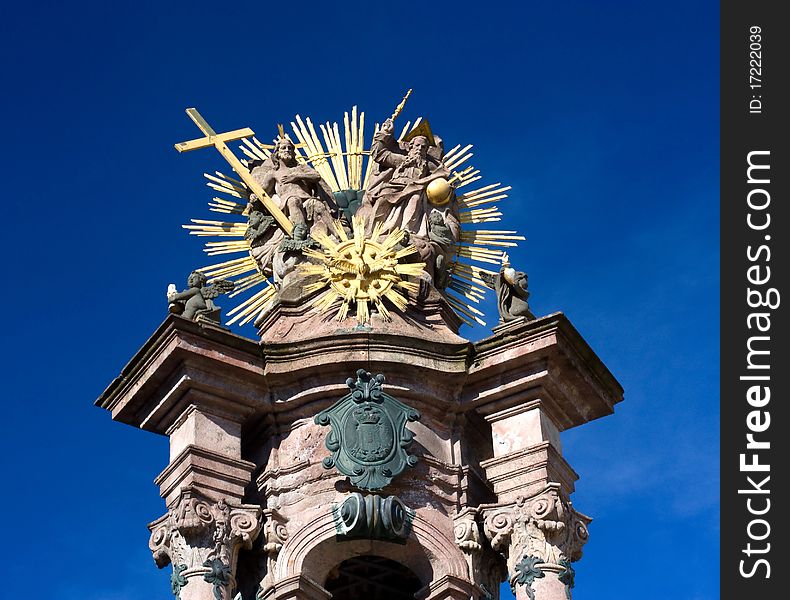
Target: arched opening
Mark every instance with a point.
(372, 578)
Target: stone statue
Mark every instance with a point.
(289, 253)
(297, 188)
(396, 196)
(511, 290)
(442, 239)
(259, 228)
(263, 236)
(196, 303)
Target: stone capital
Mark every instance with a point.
(538, 535)
(201, 539)
(486, 568)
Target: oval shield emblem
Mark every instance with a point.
(370, 433)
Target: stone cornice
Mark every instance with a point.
(180, 356)
(545, 360)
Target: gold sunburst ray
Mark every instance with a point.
(466, 289)
(393, 238)
(229, 192)
(454, 163)
(337, 225)
(217, 248)
(449, 154)
(478, 220)
(252, 150)
(470, 177)
(483, 192)
(252, 306)
(481, 201)
(225, 184)
(266, 149)
(228, 207)
(245, 283)
(464, 307)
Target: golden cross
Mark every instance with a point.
(218, 141)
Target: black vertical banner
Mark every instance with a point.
(755, 299)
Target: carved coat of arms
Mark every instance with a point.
(369, 438)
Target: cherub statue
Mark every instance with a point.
(289, 253)
(196, 303)
(511, 290)
(258, 227)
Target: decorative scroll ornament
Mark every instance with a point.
(373, 517)
(527, 571)
(218, 576)
(201, 539)
(567, 576)
(544, 527)
(177, 580)
(369, 438)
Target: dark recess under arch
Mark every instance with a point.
(372, 578)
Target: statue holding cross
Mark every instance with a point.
(299, 189)
(218, 140)
(292, 193)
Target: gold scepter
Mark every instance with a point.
(399, 108)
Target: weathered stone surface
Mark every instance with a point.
(240, 416)
(201, 540)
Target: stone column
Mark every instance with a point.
(540, 537)
(201, 539)
(205, 454)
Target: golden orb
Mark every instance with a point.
(439, 191)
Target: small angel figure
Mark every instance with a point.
(289, 254)
(511, 290)
(197, 302)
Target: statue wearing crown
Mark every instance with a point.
(397, 194)
(408, 190)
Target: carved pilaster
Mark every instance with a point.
(485, 567)
(201, 539)
(539, 536)
(275, 535)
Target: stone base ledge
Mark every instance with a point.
(297, 587)
(214, 475)
(449, 587)
(526, 472)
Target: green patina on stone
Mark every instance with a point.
(527, 571)
(349, 201)
(219, 575)
(177, 580)
(567, 576)
(369, 438)
(373, 517)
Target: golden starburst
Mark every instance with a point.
(362, 271)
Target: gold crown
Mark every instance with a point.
(423, 129)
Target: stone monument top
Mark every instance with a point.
(358, 229)
(360, 446)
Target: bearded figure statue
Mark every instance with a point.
(297, 188)
(396, 195)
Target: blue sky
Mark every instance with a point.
(603, 117)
